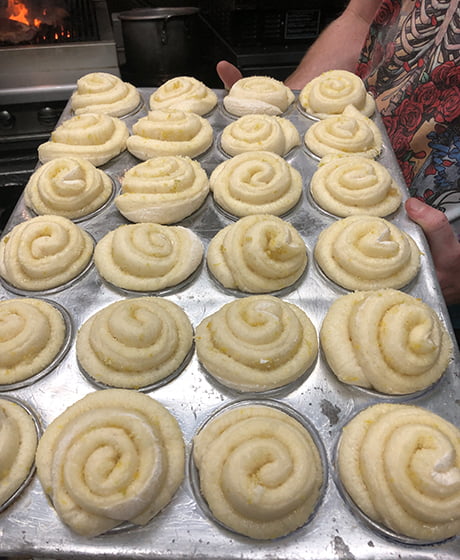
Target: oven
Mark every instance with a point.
(267, 36)
(45, 46)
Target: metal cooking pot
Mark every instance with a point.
(159, 43)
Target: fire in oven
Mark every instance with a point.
(45, 46)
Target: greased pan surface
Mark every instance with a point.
(30, 527)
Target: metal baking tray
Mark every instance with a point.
(30, 527)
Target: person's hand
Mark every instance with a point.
(228, 73)
(444, 246)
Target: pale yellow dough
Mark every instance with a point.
(257, 254)
(260, 471)
(367, 253)
(260, 132)
(183, 93)
(69, 187)
(401, 466)
(101, 92)
(164, 190)
(115, 455)
(351, 185)
(257, 343)
(95, 137)
(18, 442)
(32, 332)
(257, 182)
(258, 94)
(148, 257)
(135, 342)
(349, 133)
(44, 252)
(170, 133)
(385, 340)
(329, 93)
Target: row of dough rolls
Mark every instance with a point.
(384, 340)
(260, 467)
(259, 253)
(167, 189)
(325, 96)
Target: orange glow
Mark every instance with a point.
(18, 11)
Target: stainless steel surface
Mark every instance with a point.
(30, 527)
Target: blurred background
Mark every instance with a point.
(46, 45)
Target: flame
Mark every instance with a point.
(18, 11)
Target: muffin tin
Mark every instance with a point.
(30, 527)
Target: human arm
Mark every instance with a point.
(444, 246)
(337, 48)
(339, 45)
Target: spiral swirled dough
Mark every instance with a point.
(95, 137)
(330, 92)
(101, 92)
(367, 253)
(148, 257)
(115, 455)
(170, 133)
(401, 466)
(44, 252)
(260, 471)
(385, 340)
(69, 187)
(257, 343)
(258, 94)
(353, 185)
(260, 132)
(257, 182)
(257, 254)
(18, 442)
(183, 93)
(349, 133)
(32, 332)
(134, 343)
(164, 190)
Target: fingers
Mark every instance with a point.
(444, 246)
(440, 235)
(228, 73)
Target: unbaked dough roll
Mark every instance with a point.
(401, 466)
(260, 471)
(95, 137)
(69, 187)
(163, 190)
(258, 94)
(385, 340)
(32, 333)
(101, 92)
(257, 343)
(115, 455)
(349, 133)
(183, 93)
(260, 132)
(330, 92)
(257, 182)
(148, 257)
(18, 442)
(134, 343)
(346, 186)
(257, 254)
(170, 133)
(44, 252)
(367, 253)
